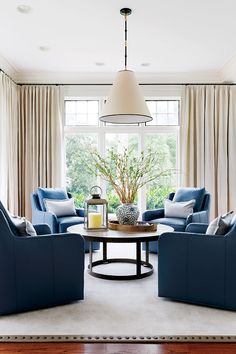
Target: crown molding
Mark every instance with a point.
(228, 71)
(227, 74)
(108, 78)
(8, 67)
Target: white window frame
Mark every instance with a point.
(101, 129)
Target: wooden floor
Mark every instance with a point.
(103, 348)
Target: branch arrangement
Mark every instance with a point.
(127, 172)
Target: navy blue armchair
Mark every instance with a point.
(198, 268)
(57, 224)
(200, 213)
(38, 271)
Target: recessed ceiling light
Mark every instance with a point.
(145, 64)
(99, 63)
(24, 9)
(44, 48)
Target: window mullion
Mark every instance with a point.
(142, 191)
(102, 151)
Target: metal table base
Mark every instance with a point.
(138, 261)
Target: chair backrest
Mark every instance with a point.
(205, 204)
(8, 219)
(171, 196)
(35, 201)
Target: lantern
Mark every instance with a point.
(96, 213)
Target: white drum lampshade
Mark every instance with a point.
(125, 104)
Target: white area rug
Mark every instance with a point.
(119, 308)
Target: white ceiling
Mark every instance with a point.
(181, 39)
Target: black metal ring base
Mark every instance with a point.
(120, 277)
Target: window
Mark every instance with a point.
(156, 192)
(79, 180)
(164, 112)
(81, 112)
(83, 130)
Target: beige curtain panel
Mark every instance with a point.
(8, 143)
(208, 143)
(40, 154)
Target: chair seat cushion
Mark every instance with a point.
(186, 194)
(67, 221)
(178, 224)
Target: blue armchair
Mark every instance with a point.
(57, 224)
(198, 268)
(38, 271)
(200, 213)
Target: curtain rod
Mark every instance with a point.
(141, 84)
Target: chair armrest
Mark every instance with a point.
(196, 228)
(186, 235)
(68, 252)
(198, 217)
(46, 237)
(50, 268)
(191, 267)
(45, 217)
(153, 214)
(80, 212)
(42, 229)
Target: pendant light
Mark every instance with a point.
(125, 103)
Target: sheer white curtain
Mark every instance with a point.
(40, 140)
(8, 143)
(208, 142)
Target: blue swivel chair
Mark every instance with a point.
(38, 271)
(198, 268)
(57, 224)
(200, 212)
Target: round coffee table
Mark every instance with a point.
(112, 236)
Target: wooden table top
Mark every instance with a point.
(119, 236)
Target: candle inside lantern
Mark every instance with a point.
(94, 220)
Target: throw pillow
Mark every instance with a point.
(220, 225)
(185, 194)
(23, 226)
(60, 207)
(178, 209)
(50, 193)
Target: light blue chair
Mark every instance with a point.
(200, 213)
(57, 224)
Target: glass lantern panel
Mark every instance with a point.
(96, 216)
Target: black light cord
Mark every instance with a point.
(126, 12)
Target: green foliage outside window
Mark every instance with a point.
(80, 180)
(157, 191)
(157, 195)
(128, 171)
